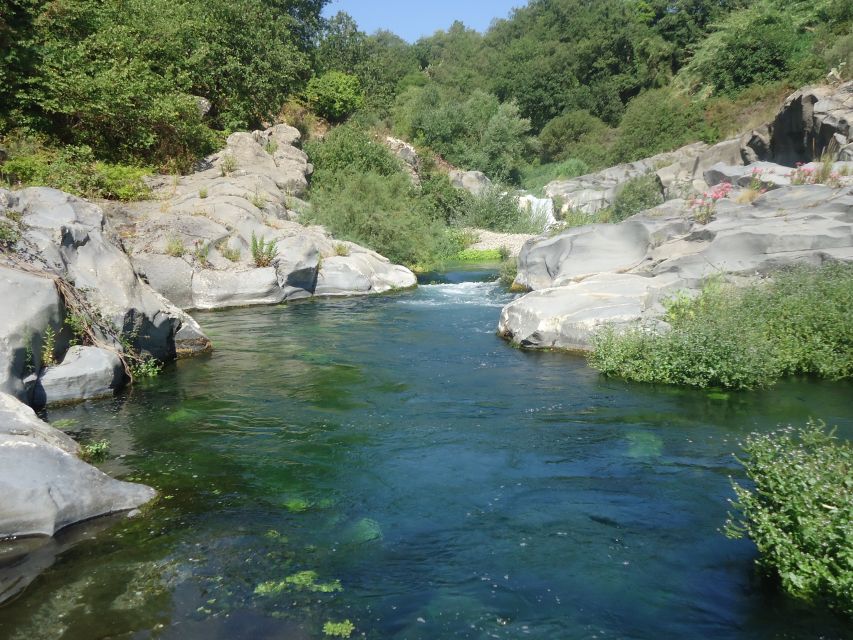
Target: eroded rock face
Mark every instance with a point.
(70, 237)
(617, 274)
(813, 121)
(44, 485)
(194, 245)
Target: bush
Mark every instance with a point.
(563, 133)
(657, 121)
(638, 194)
(334, 95)
(74, 169)
(347, 150)
(797, 323)
(536, 177)
(380, 212)
(498, 210)
(799, 512)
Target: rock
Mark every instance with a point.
(360, 273)
(222, 289)
(403, 150)
(567, 317)
(616, 274)
(85, 372)
(596, 191)
(45, 487)
(686, 175)
(474, 182)
(170, 276)
(768, 174)
(581, 252)
(72, 239)
(203, 105)
(31, 306)
(813, 121)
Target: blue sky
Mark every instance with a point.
(411, 20)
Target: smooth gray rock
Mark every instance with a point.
(361, 272)
(580, 252)
(85, 372)
(567, 317)
(170, 276)
(767, 174)
(44, 485)
(72, 239)
(30, 305)
(222, 289)
(616, 274)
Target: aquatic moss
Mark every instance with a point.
(302, 581)
(342, 629)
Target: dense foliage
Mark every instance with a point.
(125, 77)
(799, 512)
(360, 192)
(796, 323)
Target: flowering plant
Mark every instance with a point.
(703, 205)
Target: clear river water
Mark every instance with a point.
(437, 481)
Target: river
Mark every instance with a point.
(437, 481)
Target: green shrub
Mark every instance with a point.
(534, 178)
(656, 121)
(563, 133)
(347, 150)
(378, 211)
(95, 451)
(498, 210)
(509, 269)
(638, 194)
(334, 95)
(799, 512)
(75, 170)
(796, 323)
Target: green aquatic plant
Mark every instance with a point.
(302, 581)
(342, 629)
(297, 505)
(95, 451)
(798, 511)
(48, 347)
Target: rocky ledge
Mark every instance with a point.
(767, 216)
(194, 242)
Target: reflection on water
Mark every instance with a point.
(455, 486)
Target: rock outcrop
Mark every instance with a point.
(618, 274)
(814, 122)
(474, 182)
(44, 484)
(68, 240)
(194, 244)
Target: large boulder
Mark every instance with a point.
(474, 182)
(85, 372)
(44, 485)
(194, 244)
(72, 239)
(567, 317)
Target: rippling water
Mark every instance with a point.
(456, 487)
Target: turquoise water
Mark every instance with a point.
(454, 486)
